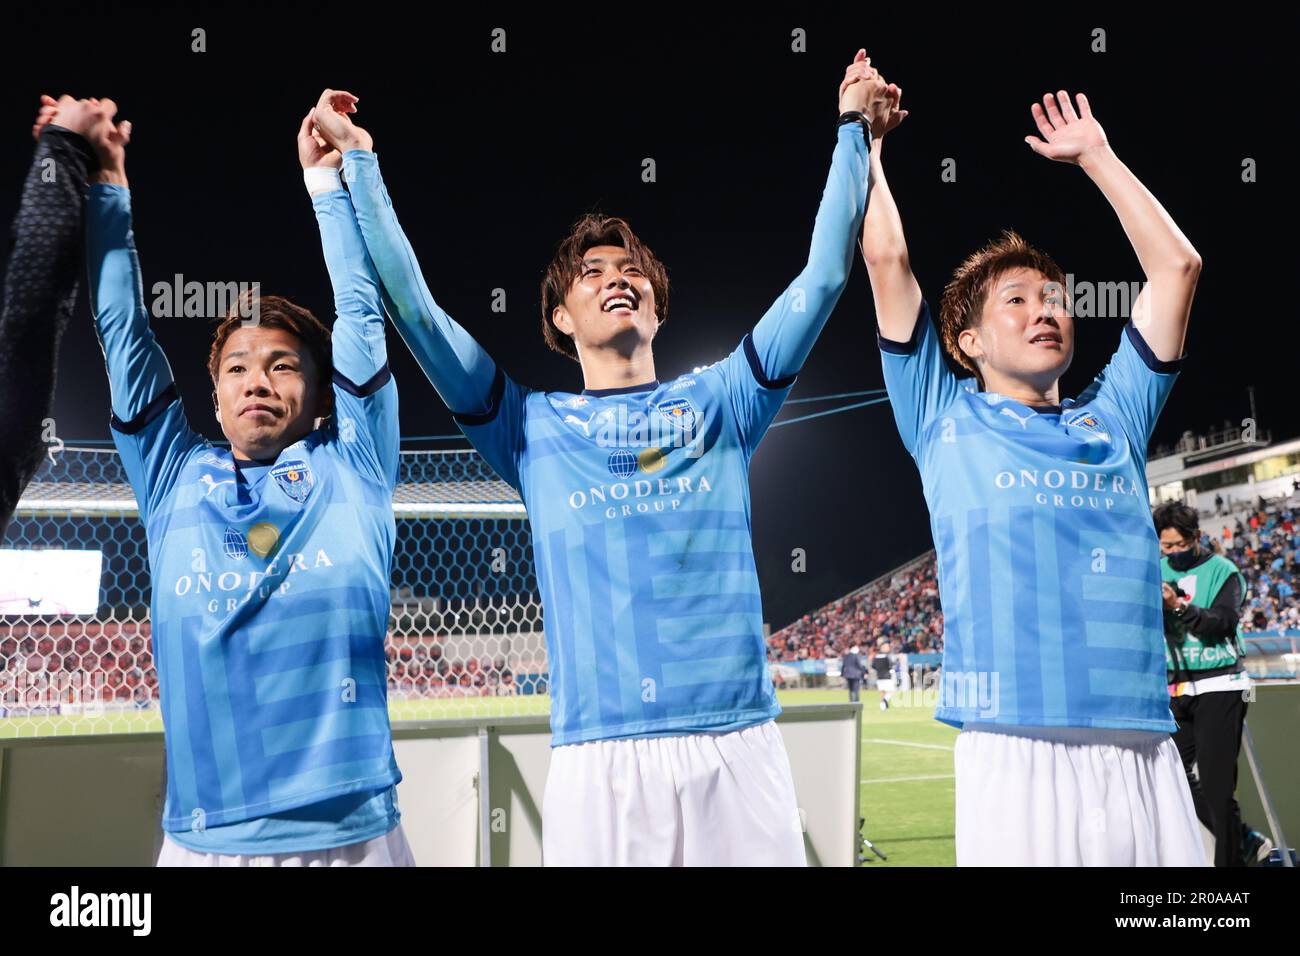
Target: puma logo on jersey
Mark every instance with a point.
(575, 420)
(1022, 421)
(214, 485)
(586, 425)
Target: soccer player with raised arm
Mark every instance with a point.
(269, 560)
(1049, 568)
(662, 709)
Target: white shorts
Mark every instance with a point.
(691, 800)
(391, 849)
(888, 685)
(1073, 796)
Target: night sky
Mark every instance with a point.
(490, 157)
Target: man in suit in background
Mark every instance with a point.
(853, 672)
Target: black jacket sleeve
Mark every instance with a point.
(1218, 621)
(40, 288)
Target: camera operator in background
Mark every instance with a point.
(1208, 684)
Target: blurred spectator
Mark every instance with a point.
(904, 609)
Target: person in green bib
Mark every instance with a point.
(1208, 684)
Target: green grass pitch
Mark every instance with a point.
(908, 796)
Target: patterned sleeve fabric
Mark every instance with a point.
(40, 288)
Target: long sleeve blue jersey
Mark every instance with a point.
(638, 497)
(270, 585)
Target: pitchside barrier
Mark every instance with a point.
(471, 791)
(81, 759)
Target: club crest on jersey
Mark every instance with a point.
(679, 411)
(576, 402)
(294, 479)
(1089, 422)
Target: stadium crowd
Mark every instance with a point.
(417, 668)
(112, 662)
(104, 662)
(1264, 542)
(903, 610)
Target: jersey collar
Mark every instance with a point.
(626, 389)
(999, 398)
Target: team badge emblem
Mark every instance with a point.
(1090, 422)
(294, 479)
(679, 411)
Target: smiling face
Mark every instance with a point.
(1025, 332)
(610, 305)
(268, 391)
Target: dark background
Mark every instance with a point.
(490, 157)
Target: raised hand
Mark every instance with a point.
(884, 124)
(1067, 135)
(77, 116)
(334, 124)
(865, 90)
(49, 109)
(313, 151)
(859, 69)
(92, 119)
(109, 139)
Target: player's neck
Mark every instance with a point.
(267, 454)
(249, 458)
(1029, 394)
(605, 369)
(257, 455)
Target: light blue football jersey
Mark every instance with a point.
(638, 498)
(1049, 566)
(270, 583)
(644, 556)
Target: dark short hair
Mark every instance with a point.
(594, 229)
(276, 312)
(1176, 515)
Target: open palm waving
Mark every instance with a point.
(1068, 134)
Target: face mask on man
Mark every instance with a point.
(1183, 560)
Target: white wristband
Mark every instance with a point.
(322, 179)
